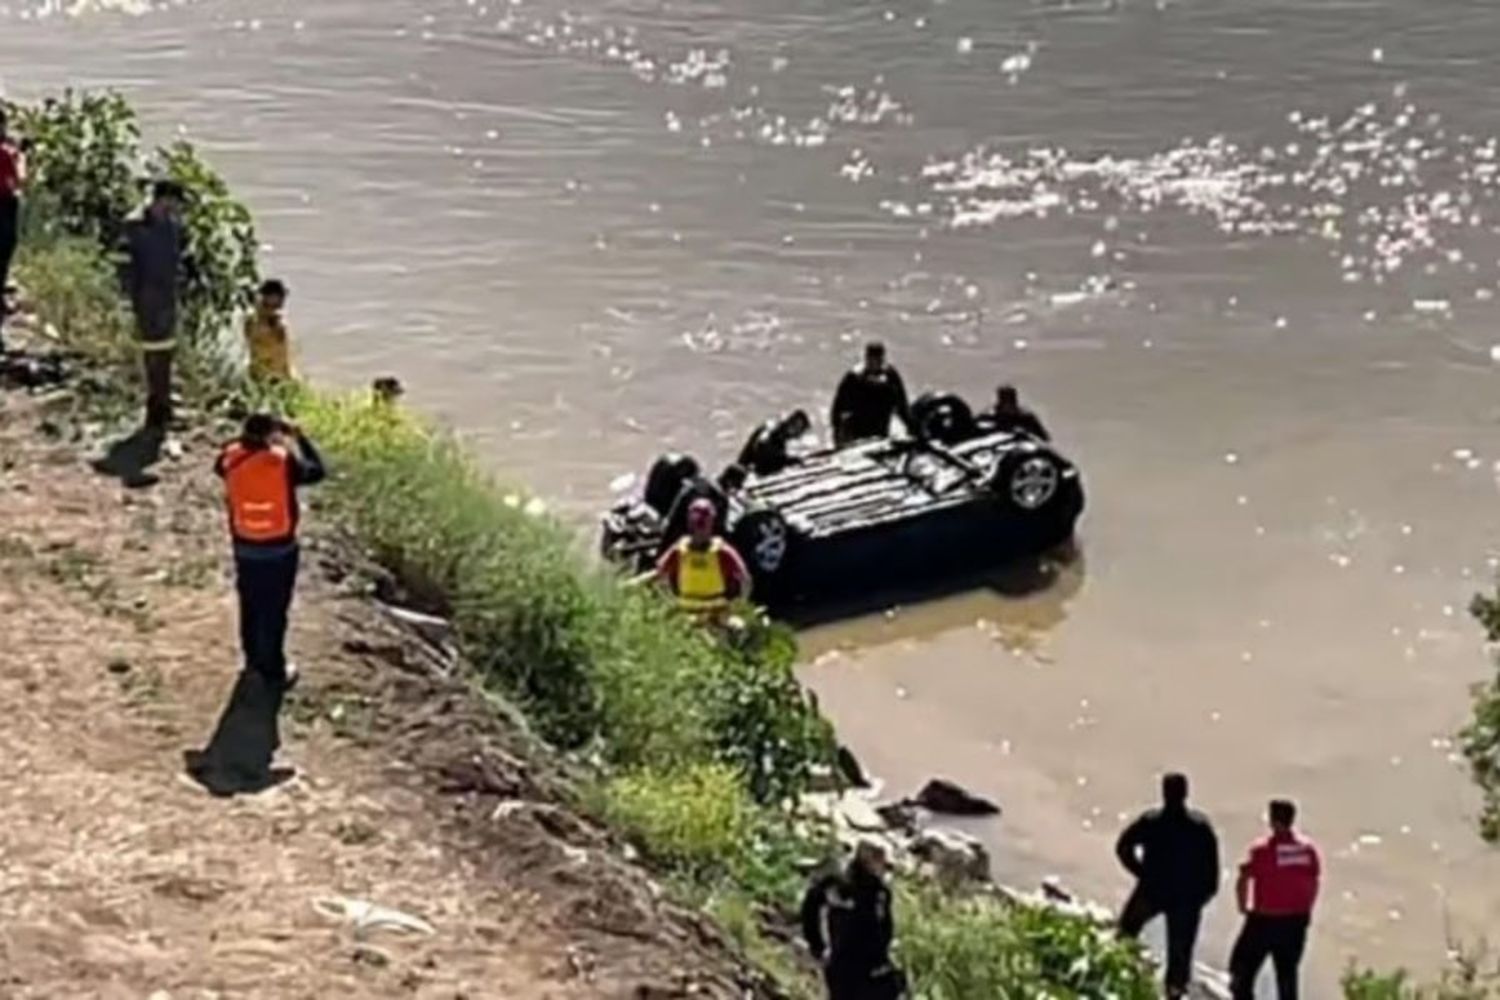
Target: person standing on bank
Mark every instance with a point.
(12, 180)
(1173, 853)
(266, 339)
(262, 471)
(846, 921)
(155, 266)
(1276, 891)
(867, 397)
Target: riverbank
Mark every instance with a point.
(412, 792)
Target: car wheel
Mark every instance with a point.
(1027, 480)
(943, 417)
(764, 540)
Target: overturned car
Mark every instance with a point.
(876, 514)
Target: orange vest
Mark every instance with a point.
(258, 489)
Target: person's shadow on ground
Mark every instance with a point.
(130, 458)
(238, 757)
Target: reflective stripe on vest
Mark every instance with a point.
(701, 586)
(258, 488)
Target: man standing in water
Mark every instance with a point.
(1174, 855)
(12, 180)
(846, 920)
(703, 570)
(262, 470)
(155, 262)
(867, 397)
(1276, 890)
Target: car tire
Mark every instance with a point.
(1027, 480)
(764, 540)
(943, 417)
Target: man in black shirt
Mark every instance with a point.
(846, 919)
(1174, 855)
(1009, 415)
(867, 397)
(765, 453)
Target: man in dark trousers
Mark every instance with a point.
(262, 470)
(867, 397)
(155, 265)
(1174, 855)
(1276, 891)
(846, 919)
(12, 180)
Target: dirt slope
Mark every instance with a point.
(121, 878)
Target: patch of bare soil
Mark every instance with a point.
(119, 877)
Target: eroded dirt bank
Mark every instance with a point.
(119, 877)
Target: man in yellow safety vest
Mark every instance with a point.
(703, 570)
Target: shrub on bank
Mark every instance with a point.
(1480, 739)
(1470, 975)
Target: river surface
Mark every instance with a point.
(1242, 255)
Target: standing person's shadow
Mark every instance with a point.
(130, 458)
(239, 754)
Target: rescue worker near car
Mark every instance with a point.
(867, 397)
(155, 267)
(695, 486)
(1009, 415)
(846, 921)
(1173, 853)
(766, 451)
(704, 571)
(1276, 891)
(262, 470)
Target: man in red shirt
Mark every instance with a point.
(12, 179)
(1277, 888)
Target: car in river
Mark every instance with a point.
(878, 514)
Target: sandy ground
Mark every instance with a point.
(119, 877)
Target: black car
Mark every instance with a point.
(878, 514)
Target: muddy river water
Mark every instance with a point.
(1242, 254)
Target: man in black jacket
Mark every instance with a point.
(867, 397)
(846, 919)
(1174, 855)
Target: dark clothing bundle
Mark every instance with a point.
(855, 948)
(865, 402)
(1174, 855)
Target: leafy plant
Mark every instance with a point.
(1480, 739)
(695, 819)
(1471, 975)
(83, 161)
(957, 948)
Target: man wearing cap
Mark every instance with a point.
(703, 570)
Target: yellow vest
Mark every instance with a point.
(266, 338)
(701, 587)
